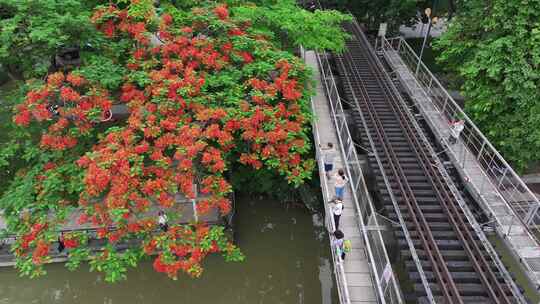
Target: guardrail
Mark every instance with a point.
(339, 271)
(383, 277)
(511, 188)
(523, 204)
(518, 296)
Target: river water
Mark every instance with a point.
(287, 262)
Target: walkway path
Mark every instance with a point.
(358, 283)
(520, 240)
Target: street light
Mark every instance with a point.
(431, 21)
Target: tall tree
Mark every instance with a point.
(495, 47)
(204, 90)
(372, 13)
(32, 31)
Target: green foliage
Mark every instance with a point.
(115, 264)
(296, 26)
(34, 30)
(101, 69)
(262, 182)
(372, 13)
(495, 48)
(76, 257)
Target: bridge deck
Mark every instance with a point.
(356, 267)
(523, 245)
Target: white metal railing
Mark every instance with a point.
(339, 271)
(437, 164)
(511, 188)
(385, 282)
(497, 174)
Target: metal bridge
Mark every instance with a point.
(435, 196)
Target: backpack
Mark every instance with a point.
(347, 246)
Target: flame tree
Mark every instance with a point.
(204, 90)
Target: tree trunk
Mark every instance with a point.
(451, 9)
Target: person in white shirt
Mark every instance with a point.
(340, 182)
(338, 243)
(163, 221)
(337, 210)
(455, 130)
(329, 154)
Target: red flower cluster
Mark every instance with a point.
(222, 12)
(61, 99)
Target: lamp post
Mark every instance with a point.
(431, 21)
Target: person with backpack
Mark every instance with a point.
(340, 182)
(338, 243)
(329, 154)
(337, 210)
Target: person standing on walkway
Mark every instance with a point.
(329, 155)
(163, 221)
(339, 183)
(455, 130)
(337, 210)
(338, 243)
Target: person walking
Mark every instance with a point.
(340, 182)
(338, 243)
(337, 210)
(61, 244)
(329, 154)
(163, 221)
(455, 130)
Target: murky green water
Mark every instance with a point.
(287, 262)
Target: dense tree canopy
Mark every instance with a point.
(494, 46)
(37, 29)
(373, 13)
(206, 87)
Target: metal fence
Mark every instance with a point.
(339, 271)
(383, 276)
(495, 172)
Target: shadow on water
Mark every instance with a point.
(287, 262)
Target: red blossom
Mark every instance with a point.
(109, 28)
(246, 57)
(75, 80)
(222, 12)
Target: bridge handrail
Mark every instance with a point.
(516, 292)
(389, 291)
(510, 187)
(342, 286)
(497, 163)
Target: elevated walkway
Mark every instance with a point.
(493, 183)
(366, 275)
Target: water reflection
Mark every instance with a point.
(287, 262)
